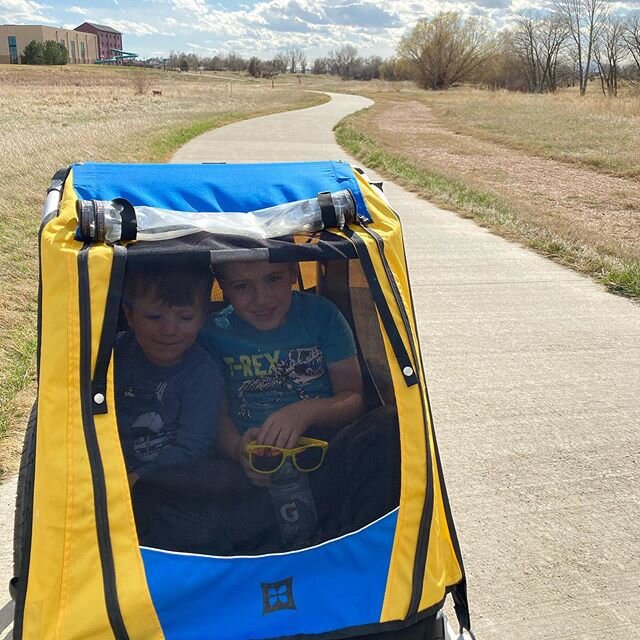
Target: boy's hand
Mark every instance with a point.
(258, 479)
(284, 427)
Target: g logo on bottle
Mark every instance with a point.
(289, 512)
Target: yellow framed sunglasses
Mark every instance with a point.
(306, 456)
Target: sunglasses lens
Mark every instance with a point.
(310, 458)
(265, 459)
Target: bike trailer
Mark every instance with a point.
(385, 567)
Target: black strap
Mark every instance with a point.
(93, 452)
(402, 355)
(128, 215)
(329, 218)
(461, 605)
(109, 328)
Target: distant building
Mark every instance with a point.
(108, 38)
(82, 47)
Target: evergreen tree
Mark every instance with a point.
(54, 53)
(33, 53)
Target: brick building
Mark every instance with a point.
(82, 47)
(108, 38)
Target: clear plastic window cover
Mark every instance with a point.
(164, 224)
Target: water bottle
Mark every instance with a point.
(294, 506)
(114, 220)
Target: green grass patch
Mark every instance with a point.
(618, 275)
(22, 357)
(163, 146)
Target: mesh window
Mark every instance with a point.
(197, 484)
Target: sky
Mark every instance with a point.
(157, 27)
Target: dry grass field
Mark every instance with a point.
(50, 117)
(556, 172)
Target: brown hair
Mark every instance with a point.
(173, 285)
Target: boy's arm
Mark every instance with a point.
(233, 445)
(198, 420)
(284, 426)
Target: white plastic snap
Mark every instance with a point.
(98, 398)
(408, 371)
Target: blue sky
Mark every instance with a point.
(207, 27)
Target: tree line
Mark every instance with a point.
(569, 44)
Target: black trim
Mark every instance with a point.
(383, 308)
(93, 451)
(372, 630)
(58, 180)
(422, 548)
(22, 581)
(18, 584)
(109, 328)
(459, 590)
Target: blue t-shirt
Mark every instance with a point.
(166, 415)
(267, 370)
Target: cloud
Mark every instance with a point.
(133, 28)
(365, 15)
(24, 11)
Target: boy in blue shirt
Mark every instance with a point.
(289, 357)
(291, 368)
(168, 389)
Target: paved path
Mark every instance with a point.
(534, 374)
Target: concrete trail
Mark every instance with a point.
(533, 377)
(534, 373)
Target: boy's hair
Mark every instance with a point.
(222, 268)
(174, 285)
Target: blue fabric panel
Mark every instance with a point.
(214, 187)
(338, 584)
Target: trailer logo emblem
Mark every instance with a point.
(277, 596)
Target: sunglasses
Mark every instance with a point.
(306, 456)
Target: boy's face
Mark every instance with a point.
(260, 292)
(164, 333)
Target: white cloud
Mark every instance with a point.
(133, 28)
(24, 11)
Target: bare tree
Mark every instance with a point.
(447, 49)
(141, 81)
(631, 37)
(281, 62)
(321, 66)
(344, 61)
(537, 40)
(609, 51)
(583, 19)
(296, 60)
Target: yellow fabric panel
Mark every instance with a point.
(442, 568)
(63, 498)
(65, 597)
(135, 601)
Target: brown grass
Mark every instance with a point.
(50, 117)
(563, 171)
